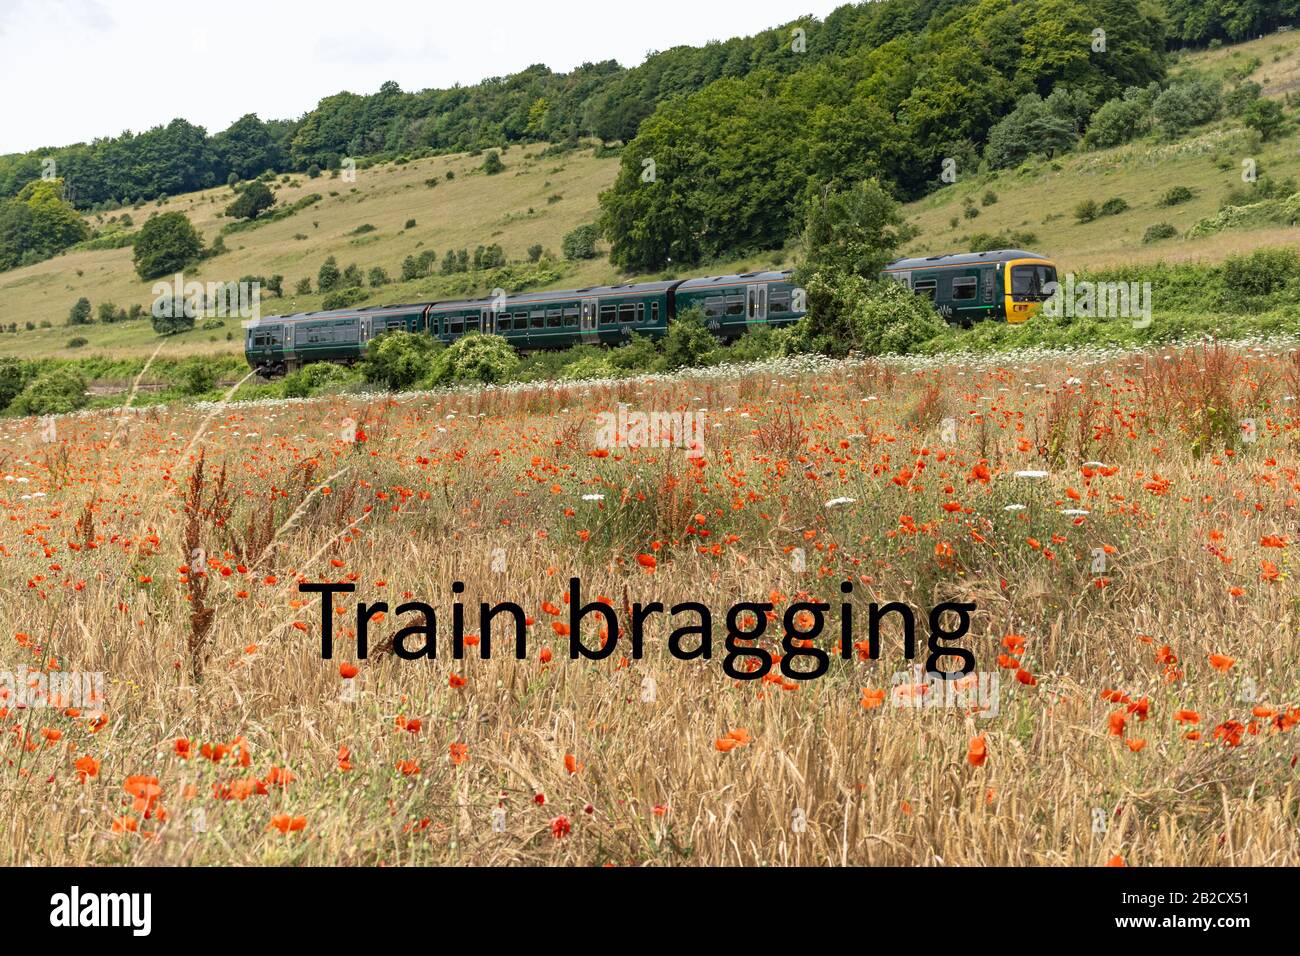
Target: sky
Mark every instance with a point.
(75, 70)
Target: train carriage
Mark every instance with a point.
(1006, 284)
(600, 315)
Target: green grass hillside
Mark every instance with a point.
(538, 198)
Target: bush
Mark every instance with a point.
(1113, 207)
(328, 278)
(77, 342)
(410, 224)
(195, 376)
(166, 244)
(1161, 230)
(1176, 196)
(476, 357)
(688, 342)
(589, 367)
(343, 298)
(80, 314)
(14, 375)
(492, 163)
(1086, 211)
(397, 360)
(581, 243)
(253, 199)
(849, 313)
(1117, 121)
(1263, 272)
(316, 377)
(56, 392)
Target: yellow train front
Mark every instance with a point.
(1007, 284)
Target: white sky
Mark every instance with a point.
(74, 70)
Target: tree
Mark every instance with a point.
(580, 243)
(80, 314)
(252, 201)
(1265, 117)
(329, 277)
(37, 224)
(167, 243)
(492, 163)
(56, 392)
(1034, 126)
(854, 231)
(14, 375)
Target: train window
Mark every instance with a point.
(654, 312)
(503, 322)
(735, 305)
(608, 314)
(456, 326)
(1031, 280)
(571, 316)
(925, 287)
(627, 312)
(713, 305)
(779, 302)
(537, 318)
(964, 287)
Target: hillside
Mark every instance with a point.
(540, 197)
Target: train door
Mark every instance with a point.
(587, 330)
(756, 308)
(489, 323)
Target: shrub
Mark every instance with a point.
(195, 376)
(1086, 211)
(80, 314)
(316, 377)
(688, 342)
(1263, 272)
(397, 360)
(1161, 230)
(56, 392)
(410, 224)
(14, 375)
(1175, 196)
(166, 244)
(849, 313)
(343, 298)
(77, 342)
(476, 357)
(378, 276)
(328, 278)
(535, 252)
(1113, 207)
(252, 201)
(581, 243)
(492, 163)
(589, 367)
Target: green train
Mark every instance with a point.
(1007, 284)
(605, 315)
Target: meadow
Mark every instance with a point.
(1125, 523)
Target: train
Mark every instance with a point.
(969, 287)
(964, 288)
(601, 315)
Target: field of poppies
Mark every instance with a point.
(1126, 525)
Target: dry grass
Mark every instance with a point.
(102, 574)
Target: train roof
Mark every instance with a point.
(743, 278)
(369, 310)
(963, 258)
